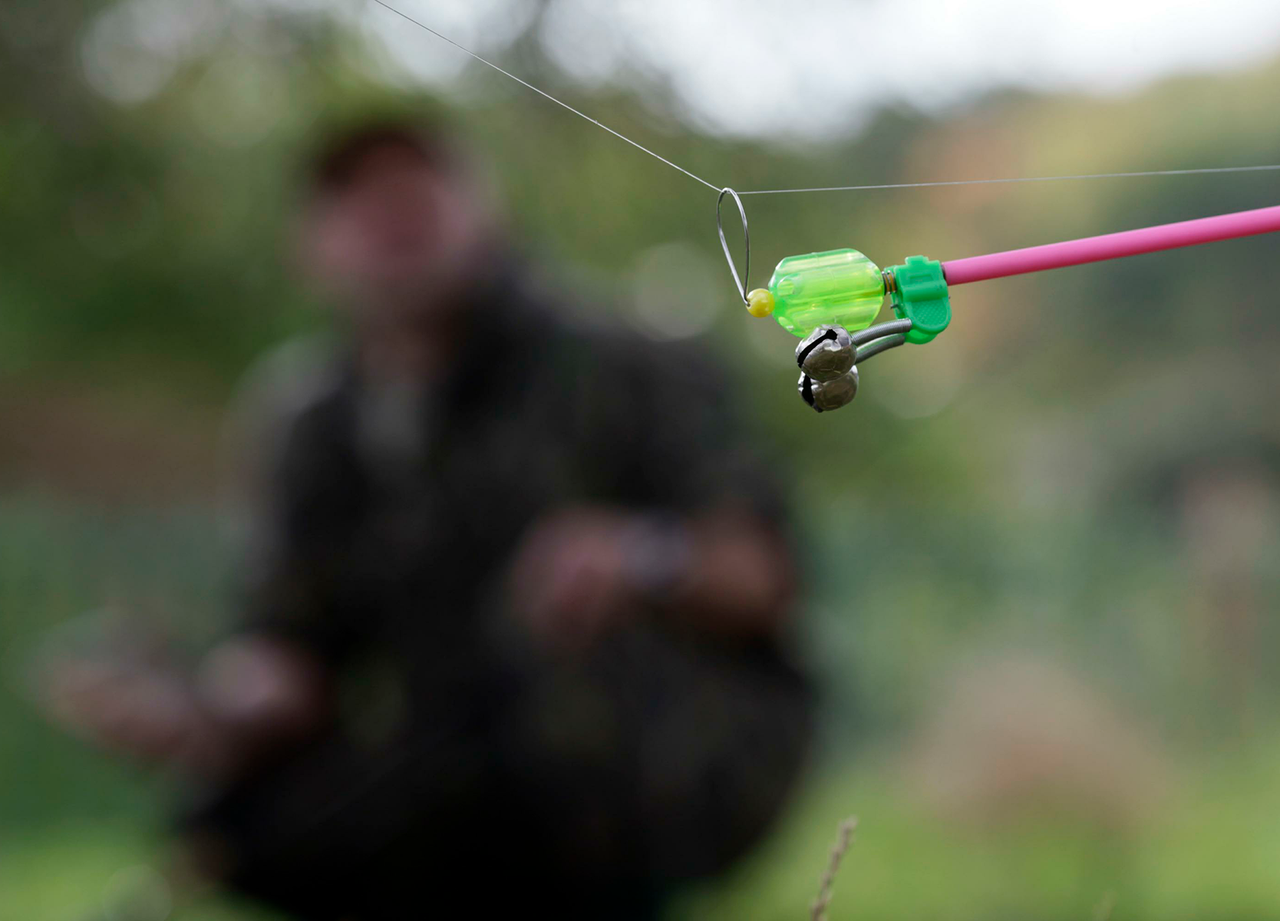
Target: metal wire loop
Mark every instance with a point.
(740, 283)
(879, 338)
(872, 333)
(883, 344)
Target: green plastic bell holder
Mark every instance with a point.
(920, 295)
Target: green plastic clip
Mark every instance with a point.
(920, 295)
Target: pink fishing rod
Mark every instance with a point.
(1113, 245)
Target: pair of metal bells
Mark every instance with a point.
(828, 358)
(828, 373)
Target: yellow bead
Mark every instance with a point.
(759, 302)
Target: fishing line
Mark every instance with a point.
(823, 297)
(838, 188)
(543, 93)
(952, 182)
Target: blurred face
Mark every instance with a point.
(398, 237)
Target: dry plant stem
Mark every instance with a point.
(818, 910)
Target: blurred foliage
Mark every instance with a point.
(1084, 470)
(72, 822)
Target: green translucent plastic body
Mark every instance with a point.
(841, 287)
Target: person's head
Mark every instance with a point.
(396, 220)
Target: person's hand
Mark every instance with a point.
(581, 572)
(250, 696)
(134, 710)
(569, 580)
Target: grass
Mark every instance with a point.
(71, 821)
(1213, 854)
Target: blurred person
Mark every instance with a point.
(517, 591)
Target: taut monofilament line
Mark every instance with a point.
(831, 299)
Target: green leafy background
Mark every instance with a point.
(1043, 549)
